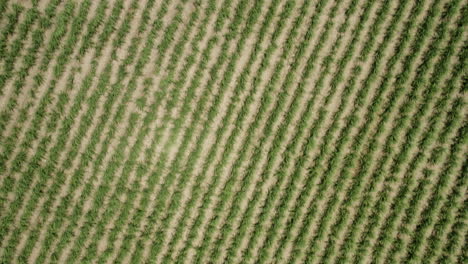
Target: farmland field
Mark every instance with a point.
(233, 131)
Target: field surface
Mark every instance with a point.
(233, 131)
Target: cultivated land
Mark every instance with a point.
(234, 131)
